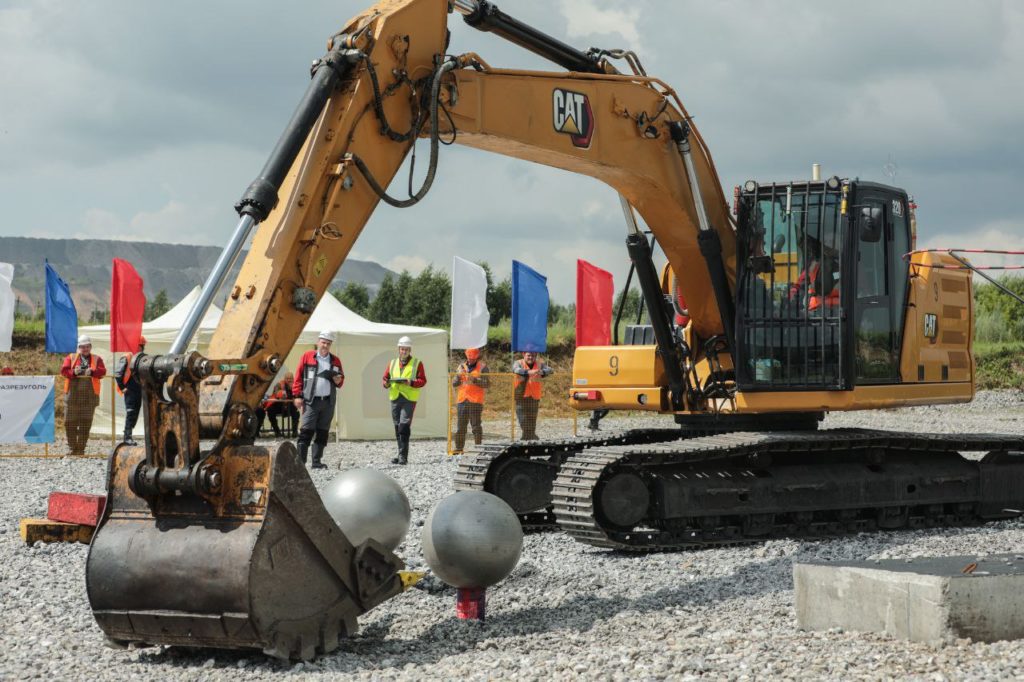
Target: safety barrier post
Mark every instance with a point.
(450, 404)
(113, 411)
(512, 412)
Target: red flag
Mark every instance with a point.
(594, 293)
(127, 305)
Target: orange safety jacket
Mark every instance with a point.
(808, 279)
(533, 387)
(281, 392)
(470, 391)
(93, 360)
(127, 374)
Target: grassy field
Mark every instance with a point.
(1000, 365)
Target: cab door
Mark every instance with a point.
(879, 292)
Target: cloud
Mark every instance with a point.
(586, 18)
(139, 121)
(414, 264)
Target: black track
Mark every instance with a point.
(748, 487)
(479, 469)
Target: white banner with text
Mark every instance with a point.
(26, 409)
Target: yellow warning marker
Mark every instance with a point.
(410, 578)
(44, 530)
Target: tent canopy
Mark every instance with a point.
(365, 348)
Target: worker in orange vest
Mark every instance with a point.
(529, 372)
(470, 382)
(128, 385)
(82, 372)
(278, 401)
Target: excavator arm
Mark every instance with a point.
(624, 130)
(230, 546)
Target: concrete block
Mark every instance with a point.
(75, 508)
(930, 599)
(45, 530)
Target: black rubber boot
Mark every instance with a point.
(403, 451)
(303, 448)
(318, 453)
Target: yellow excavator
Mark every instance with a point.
(225, 543)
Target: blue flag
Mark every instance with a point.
(61, 316)
(529, 309)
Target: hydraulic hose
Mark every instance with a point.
(435, 143)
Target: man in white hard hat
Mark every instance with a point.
(317, 380)
(403, 379)
(82, 372)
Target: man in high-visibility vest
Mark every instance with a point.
(529, 372)
(82, 372)
(128, 384)
(470, 382)
(403, 378)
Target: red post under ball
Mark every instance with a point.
(470, 603)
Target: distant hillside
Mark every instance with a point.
(176, 268)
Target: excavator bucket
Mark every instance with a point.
(260, 566)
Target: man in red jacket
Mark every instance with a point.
(317, 380)
(82, 372)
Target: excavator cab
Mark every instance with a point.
(821, 284)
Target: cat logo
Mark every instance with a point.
(573, 116)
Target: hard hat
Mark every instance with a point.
(327, 336)
(405, 342)
(84, 340)
(472, 353)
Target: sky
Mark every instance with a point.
(145, 121)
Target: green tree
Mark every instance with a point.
(356, 297)
(499, 300)
(99, 316)
(631, 308)
(387, 304)
(157, 307)
(999, 317)
(427, 300)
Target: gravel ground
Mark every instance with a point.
(566, 611)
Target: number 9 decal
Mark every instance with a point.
(613, 362)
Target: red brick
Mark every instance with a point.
(75, 508)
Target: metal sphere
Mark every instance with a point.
(366, 503)
(472, 539)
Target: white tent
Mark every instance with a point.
(365, 348)
(160, 334)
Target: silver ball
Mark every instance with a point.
(472, 539)
(366, 503)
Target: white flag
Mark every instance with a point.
(6, 307)
(469, 305)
